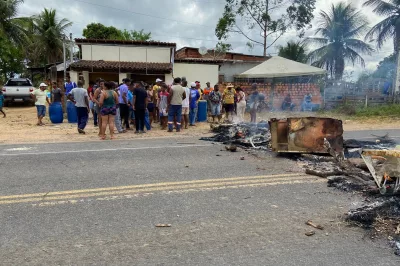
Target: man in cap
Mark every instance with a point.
(229, 99)
(194, 96)
(176, 96)
(157, 90)
(40, 98)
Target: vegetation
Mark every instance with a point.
(13, 28)
(259, 17)
(99, 31)
(390, 110)
(47, 37)
(388, 28)
(296, 51)
(339, 30)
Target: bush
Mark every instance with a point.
(391, 110)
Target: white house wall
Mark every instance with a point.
(229, 70)
(126, 53)
(197, 72)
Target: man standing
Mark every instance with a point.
(157, 91)
(80, 98)
(176, 96)
(229, 100)
(69, 85)
(194, 96)
(123, 102)
(140, 101)
(215, 99)
(57, 94)
(40, 98)
(254, 101)
(185, 105)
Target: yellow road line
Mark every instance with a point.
(162, 188)
(130, 196)
(41, 195)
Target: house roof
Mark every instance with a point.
(281, 67)
(262, 58)
(209, 61)
(141, 67)
(127, 42)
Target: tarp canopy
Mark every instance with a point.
(281, 67)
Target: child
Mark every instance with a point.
(163, 105)
(1, 104)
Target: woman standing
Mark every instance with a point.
(108, 103)
(241, 104)
(150, 105)
(96, 100)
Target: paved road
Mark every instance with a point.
(99, 203)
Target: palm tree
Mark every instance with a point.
(339, 30)
(12, 27)
(390, 26)
(48, 35)
(295, 51)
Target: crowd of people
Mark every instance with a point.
(136, 105)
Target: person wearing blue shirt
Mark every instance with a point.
(69, 86)
(123, 102)
(1, 104)
(194, 97)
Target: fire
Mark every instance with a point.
(387, 177)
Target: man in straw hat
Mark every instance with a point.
(40, 98)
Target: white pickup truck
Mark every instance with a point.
(18, 90)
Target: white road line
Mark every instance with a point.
(100, 150)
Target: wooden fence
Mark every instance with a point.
(332, 101)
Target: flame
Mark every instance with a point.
(387, 177)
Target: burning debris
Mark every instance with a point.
(244, 134)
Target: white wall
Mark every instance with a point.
(126, 53)
(200, 72)
(229, 70)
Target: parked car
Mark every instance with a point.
(18, 90)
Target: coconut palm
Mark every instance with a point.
(388, 28)
(338, 41)
(11, 26)
(49, 32)
(295, 51)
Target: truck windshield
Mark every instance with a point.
(19, 83)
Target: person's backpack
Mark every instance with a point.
(214, 97)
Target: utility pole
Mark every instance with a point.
(71, 48)
(65, 60)
(396, 83)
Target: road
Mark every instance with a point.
(98, 203)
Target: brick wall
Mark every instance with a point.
(277, 92)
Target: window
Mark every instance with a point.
(19, 83)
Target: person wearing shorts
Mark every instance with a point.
(40, 98)
(215, 98)
(229, 100)
(108, 103)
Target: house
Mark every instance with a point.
(145, 61)
(232, 63)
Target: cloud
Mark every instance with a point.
(185, 22)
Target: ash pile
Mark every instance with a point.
(243, 134)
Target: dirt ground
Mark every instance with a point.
(20, 127)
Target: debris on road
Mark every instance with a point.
(306, 134)
(163, 225)
(310, 233)
(316, 226)
(242, 158)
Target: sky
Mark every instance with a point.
(184, 22)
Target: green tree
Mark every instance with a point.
(135, 35)
(48, 33)
(11, 59)
(223, 47)
(339, 30)
(261, 16)
(99, 31)
(295, 51)
(386, 68)
(388, 28)
(12, 27)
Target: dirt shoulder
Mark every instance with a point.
(20, 127)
